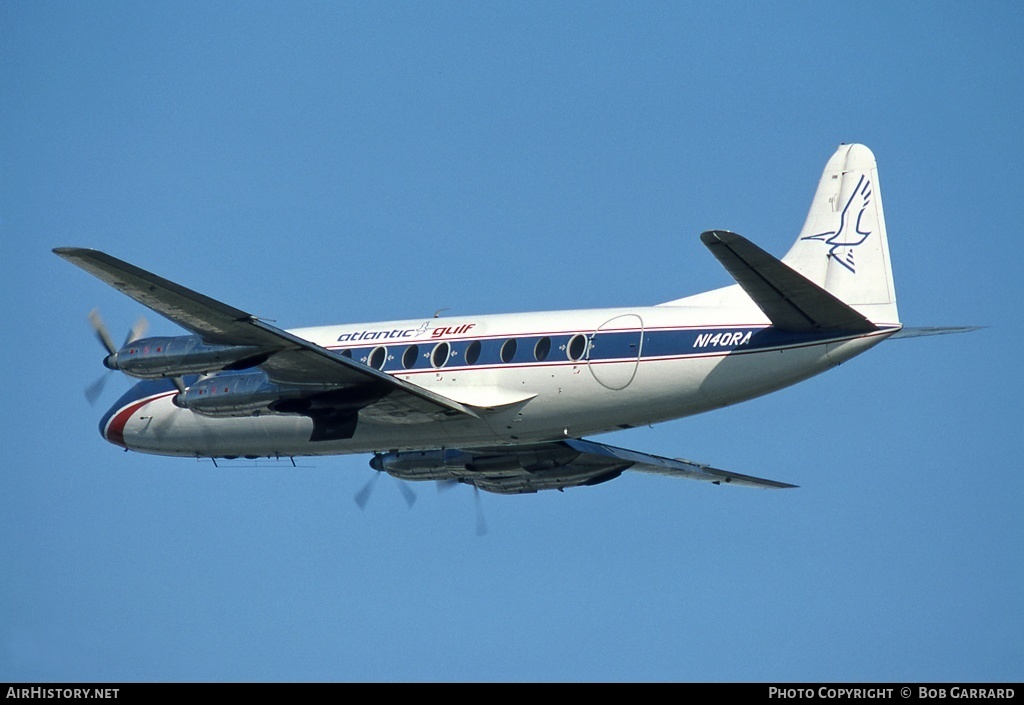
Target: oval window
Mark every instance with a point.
(577, 347)
(508, 350)
(347, 352)
(541, 349)
(410, 355)
(439, 356)
(378, 357)
(473, 352)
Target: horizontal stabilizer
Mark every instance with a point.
(908, 332)
(789, 300)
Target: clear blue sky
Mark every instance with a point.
(341, 162)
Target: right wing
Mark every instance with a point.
(672, 467)
(555, 465)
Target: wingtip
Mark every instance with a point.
(711, 237)
(67, 252)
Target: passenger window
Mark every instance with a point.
(347, 352)
(577, 347)
(410, 355)
(378, 357)
(473, 352)
(508, 350)
(541, 349)
(439, 356)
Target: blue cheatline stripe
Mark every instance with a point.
(608, 346)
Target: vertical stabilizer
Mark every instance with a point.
(843, 246)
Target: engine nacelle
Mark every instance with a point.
(423, 464)
(235, 394)
(334, 411)
(155, 358)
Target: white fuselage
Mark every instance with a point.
(572, 374)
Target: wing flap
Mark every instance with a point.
(789, 300)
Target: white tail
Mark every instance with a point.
(843, 246)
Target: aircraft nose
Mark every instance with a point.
(104, 424)
(112, 423)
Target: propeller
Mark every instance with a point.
(93, 391)
(481, 524)
(363, 496)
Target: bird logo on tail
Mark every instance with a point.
(850, 232)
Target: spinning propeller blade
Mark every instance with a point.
(363, 496)
(93, 391)
(481, 523)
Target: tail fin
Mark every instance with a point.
(843, 245)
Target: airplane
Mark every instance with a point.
(507, 403)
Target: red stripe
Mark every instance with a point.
(115, 429)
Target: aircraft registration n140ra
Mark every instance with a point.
(503, 402)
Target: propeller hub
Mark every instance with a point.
(110, 361)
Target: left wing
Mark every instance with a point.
(291, 359)
(549, 466)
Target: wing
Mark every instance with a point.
(549, 466)
(672, 467)
(292, 360)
